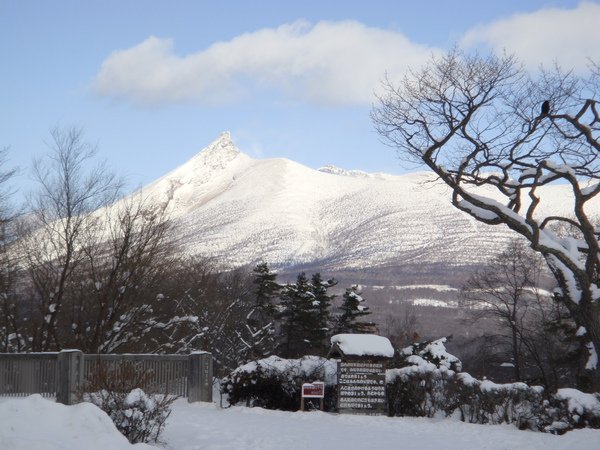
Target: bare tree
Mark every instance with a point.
(477, 123)
(112, 295)
(210, 311)
(507, 289)
(52, 236)
(402, 329)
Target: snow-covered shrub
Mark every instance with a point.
(138, 415)
(433, 352)
(421, 387)
(569, 409)
(419, 390)
(275, 383)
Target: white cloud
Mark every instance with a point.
(329, 62)
(567, 36)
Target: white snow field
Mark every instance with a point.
(34, 423)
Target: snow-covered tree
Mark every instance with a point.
(478, 123)
(258, 333)
(351, 309)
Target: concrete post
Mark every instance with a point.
(200, 377)
(70, 377)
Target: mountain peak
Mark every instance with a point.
(219, 152)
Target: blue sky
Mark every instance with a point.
(153, 82)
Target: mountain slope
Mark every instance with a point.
(238, 210)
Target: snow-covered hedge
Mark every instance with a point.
(431, 384)
(275, 383)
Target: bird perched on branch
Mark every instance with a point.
(545, 108)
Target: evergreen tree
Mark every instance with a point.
(321, 305)
(266, 288)
(297, 306)
(351, 309)
(259, 332)
(306, 316)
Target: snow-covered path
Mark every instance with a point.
(202, 426)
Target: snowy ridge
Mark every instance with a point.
(238, 210)
(351, 173)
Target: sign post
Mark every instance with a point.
(362, 363)
(313, 390)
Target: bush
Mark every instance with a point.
(419, 391)
(138, 415)
(488, 402)
(430, 384)
(276, 383)
(569, 409)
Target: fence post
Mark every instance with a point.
(69, 372)
(200, 377)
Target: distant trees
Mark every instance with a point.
(476, 122)
(507, 289)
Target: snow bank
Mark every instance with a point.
(37, 423)
(363, 345)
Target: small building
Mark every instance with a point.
(363, 360)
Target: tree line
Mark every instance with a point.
(87, 268)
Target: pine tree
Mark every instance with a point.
(266, 287)
(351, 309)
(259, 332)
(321, 303)
(306, 316)
(297, 306)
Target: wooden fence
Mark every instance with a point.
(67, 374)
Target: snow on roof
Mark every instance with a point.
(363, 345)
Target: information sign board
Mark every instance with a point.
(361, 387)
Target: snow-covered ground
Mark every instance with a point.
(36, 423)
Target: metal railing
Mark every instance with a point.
(67, 374)
(23, 374)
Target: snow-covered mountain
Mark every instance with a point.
(240, 210)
